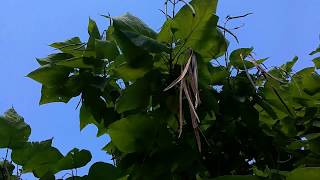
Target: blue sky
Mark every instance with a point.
(277, 29)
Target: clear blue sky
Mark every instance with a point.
(277, 29)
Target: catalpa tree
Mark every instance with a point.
(177, 104)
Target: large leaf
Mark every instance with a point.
(238, 56)
(62, 92)
(102, 170)
(309, 80)
(135, 96)
(50, 74)
(93, 33)
(134, 38)
(72, 46)
(87, 118)
(128, 73)
(212, 74)
(133, 133)
(14, 132)
(145, 43)
(310, 173)
(131, 23)
(106, 50)
(53, 58)
(74, 159)
(37, 157)
(78, 62)
(198, 31)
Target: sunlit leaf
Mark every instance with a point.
(198, 29)
(93, 33)
(72, 46)
(50, 74)
(14, 132)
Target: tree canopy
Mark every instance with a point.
(177, 104)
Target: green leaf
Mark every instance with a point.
(310, 173)
(48, 176)
(93, 34)
(53, 94)
(237, 177)
(77, 178)
(72, 46)
(102, 170)
(134, 39)
(106, 50)
(129, 73)
(260, 173)
(78, 62)
(289, 65)
(316, 62)
(131, 23)
(218, 74)
(167, 32)
(315, 51)
(14, 132)
(145, 43)
(87, 118)
(198, 31)
(50, 74)
(93, 29)
(133, 133)
(210, 74)
(37, 157)
(74, 159)
(309, 80)
(238, 56)
(288, 126)
(130, 51)
(53, 58)
(63, 92)
(135, 96)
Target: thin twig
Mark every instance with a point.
(167, 15)
(166, 8)
(228, 31)
(237, 17)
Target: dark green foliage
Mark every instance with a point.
(40, 158)
(254, 123)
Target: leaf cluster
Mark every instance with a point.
(254, 123)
